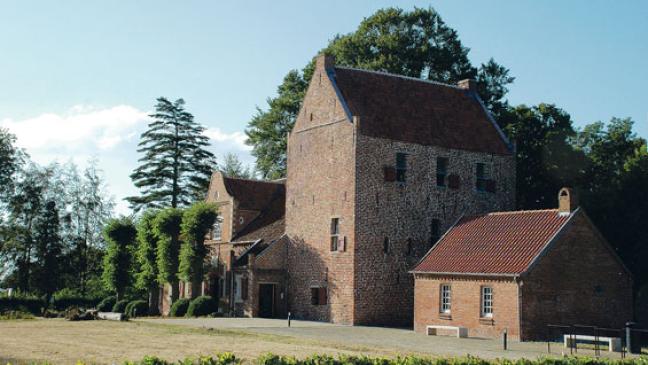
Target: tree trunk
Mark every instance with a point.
(175, 291)
(196, 286)
(154, 299)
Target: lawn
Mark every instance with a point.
(62, 342)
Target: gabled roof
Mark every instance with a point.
(419, 111)
(253, 194)
(505, 243)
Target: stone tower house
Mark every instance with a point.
(379, 166)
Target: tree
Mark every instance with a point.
(11, 159)
(413, 43)
(120, 235)
(48, 251)
(196, 223)
(232, 167)
(545, 157)
(175, 167)
(147, 273)
(166, 227)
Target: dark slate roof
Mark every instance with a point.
(269, 224)
(418, 111)
(253, 194)
(494, 243)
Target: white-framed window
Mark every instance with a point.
(216, 231)
(238, 297)
(486, 302)
(335, 234)
(446, 298)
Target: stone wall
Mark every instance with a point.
(578, 281)
(466, 305)
(402, 213)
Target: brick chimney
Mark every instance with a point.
(468, 84)
(324, 61)
(567, 200)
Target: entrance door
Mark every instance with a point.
(266, 300)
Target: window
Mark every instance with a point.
(335, 234)
(216, 230)
(434, 231)
(486, 302)
(386, 245)
(441, 171)
(482, 174)
(410, 247)
(319, 296)
(446, 298)
(401, 166)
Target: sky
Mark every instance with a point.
(78, 78)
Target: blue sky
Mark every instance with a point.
(78, 77)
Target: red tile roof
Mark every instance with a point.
(419, 111)
(495, 243)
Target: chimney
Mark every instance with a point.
(468, 84)
(325, 61)
(567, 200)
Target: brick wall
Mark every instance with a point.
(319, 187)
(403, 214)
(579, 281)
(466, 305)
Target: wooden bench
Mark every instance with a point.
(434, 330)
(613, 343)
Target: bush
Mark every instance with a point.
(107, 304)
(137, 308)
(67, 298)
(202, 306)
(16, 314)
(22, 302)
(120, 306)
(179, 308)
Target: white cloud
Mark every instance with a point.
(234, 140)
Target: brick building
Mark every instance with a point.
(520, 271)
(379, 166)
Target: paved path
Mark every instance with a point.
(397, 341)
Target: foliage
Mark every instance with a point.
(224, 358)
(136, 308)
(179, 307)
(202, 306)
(15, 314)
(48, 251)
(197, 220)
(175, 167)
(107, 304)
(22, 302)
(146, 251)
(120, 306)
(120, 235)
(166, 227)
(67, 297)
(414, 43)
(233, 167)
(10, 161)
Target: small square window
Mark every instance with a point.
(386, 245)
(319, 296)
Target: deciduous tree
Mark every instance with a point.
(120, 235)
(147, 270)
(196, 223)
(166, 227)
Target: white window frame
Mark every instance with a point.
(238, 294)
(486, 302)
(217, 234)
(445, 299)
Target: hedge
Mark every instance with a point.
(120, 306)
(179, 308)
(202, 306)
(66, 299)
(136, 308)
(20, 302)
(107, 304)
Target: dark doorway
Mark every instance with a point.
(266, 300)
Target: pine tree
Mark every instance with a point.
(175, 168)
(48, 251)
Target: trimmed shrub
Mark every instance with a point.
(120, 306)
(202, 306)
(21, 302)
(67, 298)
(136, 308)
(179, 308)
(107, 304)
(17, 314)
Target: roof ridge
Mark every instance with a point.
(383, 73)
(253, 180)
(511, 212)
